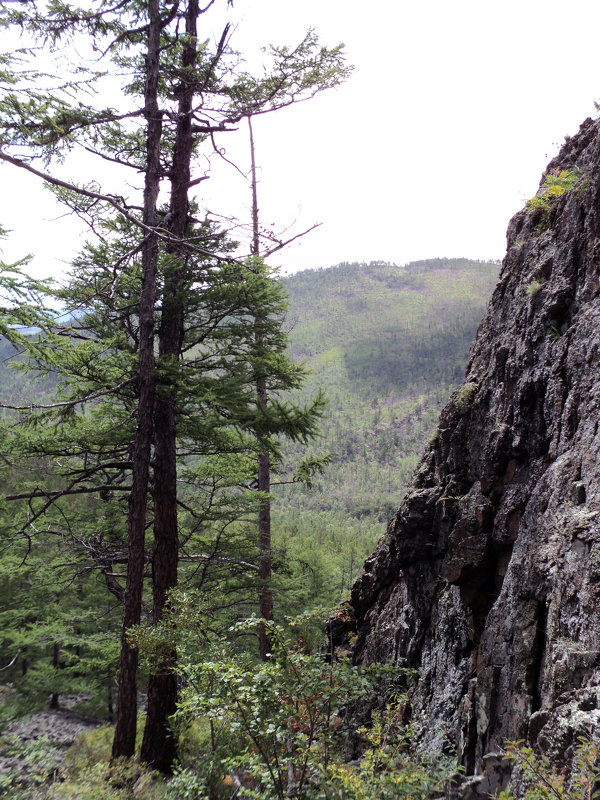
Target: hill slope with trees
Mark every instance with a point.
(387, 344)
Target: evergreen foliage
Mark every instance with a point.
(83, 440)
(316, 552)
(165, 358)
(321, 535)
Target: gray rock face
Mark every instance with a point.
(488, 579)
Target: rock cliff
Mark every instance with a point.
(488, 579)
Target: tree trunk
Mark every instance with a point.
(109, 696)
(125, 727)
(265, 596)
(265, 561)
(159, 746)
(55, 663)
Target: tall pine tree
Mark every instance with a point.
(135, 366)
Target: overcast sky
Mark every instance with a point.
(439, 136)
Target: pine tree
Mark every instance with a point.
(215, 407)
(183, 94)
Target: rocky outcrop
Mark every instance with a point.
(488, 579)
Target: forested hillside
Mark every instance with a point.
(386, 344)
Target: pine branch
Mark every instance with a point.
(69, 403)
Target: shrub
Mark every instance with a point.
(392, 766)
(543, 781)
(285, 719)
(534, 286)
(88, 774)
(35, 763)
(466, 394)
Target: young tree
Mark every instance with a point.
(184, 94)
(265, 565)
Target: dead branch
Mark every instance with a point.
(9, 665)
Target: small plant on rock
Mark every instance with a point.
(534, 286)
(556, 184)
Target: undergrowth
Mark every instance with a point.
(542, 780)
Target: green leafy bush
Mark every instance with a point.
(543, 781)
(285, 711)
(277, 728)
(391, 768)
(186, 784)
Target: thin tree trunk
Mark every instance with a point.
(265, 559)
(125, 727)
(109, 695)
(159, 745)
(265, 562)
(55, 663)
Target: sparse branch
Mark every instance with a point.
(53, 496)
(196, 181)
(286, 242)
(112, 159)
(220, 151)
(213, 559)
(112, 584)
(117, 203)
(69, 403)
(216, 58)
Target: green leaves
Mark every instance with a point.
(57, 625)
(284, 722)
(292, 74)
(165, 346)
(543, 781)
(555, 185)
(286, 710)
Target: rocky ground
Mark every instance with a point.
(32, 748)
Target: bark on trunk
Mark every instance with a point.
(125, 727)
(265, 596)
(159, 746)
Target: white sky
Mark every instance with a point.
(440, 135)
